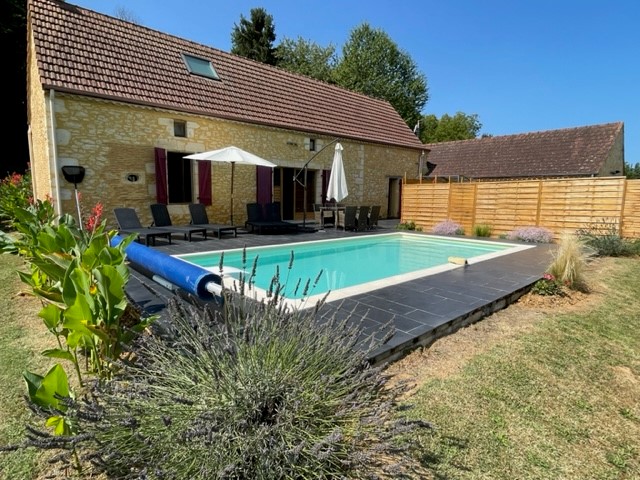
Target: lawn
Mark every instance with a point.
(557, 398)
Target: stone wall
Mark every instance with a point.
(115, 141)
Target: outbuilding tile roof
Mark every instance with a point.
(579, 151)
(87, 53)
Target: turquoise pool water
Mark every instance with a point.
(344, 263)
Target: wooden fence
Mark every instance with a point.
(561, 205)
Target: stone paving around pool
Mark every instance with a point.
(420, 310)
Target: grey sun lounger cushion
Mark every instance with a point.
(128, 223)
(162, 221)
(199, 218)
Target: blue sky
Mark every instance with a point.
(520, 65)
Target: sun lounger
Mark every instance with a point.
(128, 223)
(373, 217)
(162, 221)
(266, 218)
(199, 218)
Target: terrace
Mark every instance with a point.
(421, 310)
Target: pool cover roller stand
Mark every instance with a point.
(191, 278)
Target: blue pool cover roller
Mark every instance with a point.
(191, 278)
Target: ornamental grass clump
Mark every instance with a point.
(531, 235)
(448, 227)
(256, 391)
(570, 262)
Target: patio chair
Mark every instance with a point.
(162, 221)
(362, 218)
(128, 223)
(199, 218)
(347, 219)
(373, 217)
(323, 215)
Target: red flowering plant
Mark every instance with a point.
(94, 221)
(15, 193)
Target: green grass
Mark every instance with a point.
(20, 329)
(561, 402)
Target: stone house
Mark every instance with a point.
(127, 103)
(589, 151)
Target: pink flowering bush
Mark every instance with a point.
(448, 227)
(531, 234)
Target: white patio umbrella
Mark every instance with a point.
(232, 155)
(337, 188)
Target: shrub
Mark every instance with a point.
(448, 227)
(531, 234)
(604, 238)
(248, 394)
(15, 192)
(548, 285)
(569, 262)
(410, 225)
(482, 230)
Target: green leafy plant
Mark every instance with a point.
(49, 393)
(81, 280)
(482, 230)
(605, 239)
(15, 192)
(409, 225)
(548, 285)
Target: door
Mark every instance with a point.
(393, 207)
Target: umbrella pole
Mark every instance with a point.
(233, 165)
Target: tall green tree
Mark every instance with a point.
(371, 63)
(460, 126)
(13, 35)
(254, 37)
(632, 171)
(307, 58)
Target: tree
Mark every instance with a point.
(127, 15)
(448, 128)
(306, 58)
(254, 38)
(373, 64)
(632, 171)
(13, 34)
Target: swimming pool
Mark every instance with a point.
(348, 266)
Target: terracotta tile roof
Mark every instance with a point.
(579, 151)
(88, 53)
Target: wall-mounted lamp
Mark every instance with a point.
(132, 177)
(293, 144)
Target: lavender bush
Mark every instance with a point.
(531, 234)
(250, 394)
(448, 227)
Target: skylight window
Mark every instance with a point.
(200, 66)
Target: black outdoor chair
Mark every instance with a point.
(162, 221)
(373, 217)
(362, 218)
(128, 223)
(199, 218)
(347, 219)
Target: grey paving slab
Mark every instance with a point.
(420, 310)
